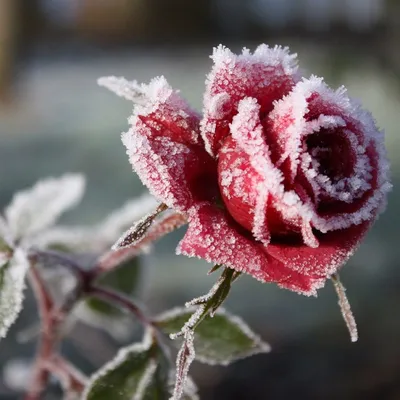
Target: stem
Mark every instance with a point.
(71, 379)
(46, 341)
(123, 301)
(51, 321)
(60, 258)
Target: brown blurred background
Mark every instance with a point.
(54, 118)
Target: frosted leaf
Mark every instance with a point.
(12, 285)
(35, 209)
(184, 359)
(345, 308)
(220, 340)
(138, 230)
(130, 90)
(134, 373)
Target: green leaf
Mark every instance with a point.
(124, 279)
(12, 285)
(138, 372)
(218, 340)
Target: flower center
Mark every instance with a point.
(331, 154)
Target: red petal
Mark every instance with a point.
(333, 251)
(173, 172)
(266, 75)
(166, 151)
(212, 235)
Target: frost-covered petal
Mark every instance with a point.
(174, 172)
(286, 125)
(160, 107)
(37, 208)
(166, 151)
(319, 263)
(267, 75)
(251, 185)
(212, 235)
(333, 154)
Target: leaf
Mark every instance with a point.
(37, 208)
(218, 340)
(12, 285)
(138, 372)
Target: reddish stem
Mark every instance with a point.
(46, 342)
(123, 301)
(72, 380)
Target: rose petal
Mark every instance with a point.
(212, 235)
(286, 125)
(174, 172)
(266, 75)
(166, 151)
(333, 251)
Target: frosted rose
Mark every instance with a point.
(280, 178)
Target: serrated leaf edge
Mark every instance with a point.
(118, 359)
(259, 345)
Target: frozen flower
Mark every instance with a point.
(280, 178)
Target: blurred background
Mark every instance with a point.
(55, 119)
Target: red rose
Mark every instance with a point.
(281, 178)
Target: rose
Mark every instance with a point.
(281, 178)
